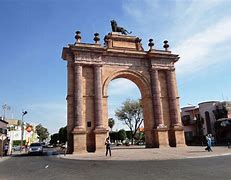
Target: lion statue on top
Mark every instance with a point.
(116, 28)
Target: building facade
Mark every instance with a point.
(3, 134)
(16, 133)
(206, 118)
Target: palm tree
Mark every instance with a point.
(111, 123)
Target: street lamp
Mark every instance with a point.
(22, 128)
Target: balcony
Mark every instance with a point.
(187, 120)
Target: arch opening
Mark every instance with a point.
(138, 88)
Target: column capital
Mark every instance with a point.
(172, 68)
(154, 68)
(97, 65)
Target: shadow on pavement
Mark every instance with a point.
(197, 151)
(47, 153)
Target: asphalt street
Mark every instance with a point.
(50, 166)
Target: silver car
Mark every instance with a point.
(35, 148)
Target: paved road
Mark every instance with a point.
(52, 167)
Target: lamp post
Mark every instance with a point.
(22, 129)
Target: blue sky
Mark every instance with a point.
(33, 33)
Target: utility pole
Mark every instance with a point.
(22, 128)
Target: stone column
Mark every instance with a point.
(161, 131)
(79, 131)
(100, 130)
(70, 106)
(98, 97)
(173, 99)
(176, 133)
(157, 106)
(78, 97)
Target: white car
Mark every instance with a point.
(35, 148)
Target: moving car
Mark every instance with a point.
(35, 148)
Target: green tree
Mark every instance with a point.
(63, 135)
(131, 113)
(122, 134)
(111, 123)
(113, 136)
(54, 139)
(42, 132)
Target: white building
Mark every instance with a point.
(15, 132)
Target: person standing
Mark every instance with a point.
(5, 148)
(209, 143)
(65, 149)
(108, 146)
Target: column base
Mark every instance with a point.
(79, 141)
(176, 136)
(150, 139)
(100, 137)
(161, 134)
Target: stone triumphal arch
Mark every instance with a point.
(91, 67)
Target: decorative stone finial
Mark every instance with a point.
(150, 44)
(78, 36)
(96, 38)
(166, 46)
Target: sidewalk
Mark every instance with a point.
(4, 158)
(12, 155)
(137, 153)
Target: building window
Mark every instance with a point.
(186, 120)
(89, 124)
(208, 123)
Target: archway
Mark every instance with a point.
(90, 69)
(144, 87)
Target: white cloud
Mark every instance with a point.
(120, 86)
(195, 50)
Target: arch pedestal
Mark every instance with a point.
(91, 67)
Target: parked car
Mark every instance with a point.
(35, 148)
(16, 148)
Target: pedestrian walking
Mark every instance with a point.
(5, 148)
(108, 146)
(209, 143)
(65, 149)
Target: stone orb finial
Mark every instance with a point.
(166, 45)
(78, 36)
(150, 44)
(96, 38)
